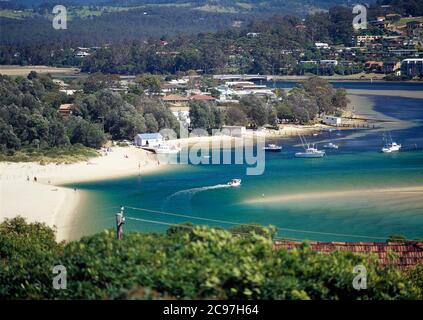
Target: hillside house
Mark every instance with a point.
(66, 109)
(332, 120)
(148, 139)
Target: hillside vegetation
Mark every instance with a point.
(186, 262)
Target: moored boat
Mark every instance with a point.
(310, 151)
(390, 145)
(272, 148)
(331, 145)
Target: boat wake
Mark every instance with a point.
(193, 191)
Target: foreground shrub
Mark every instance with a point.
(186, 263)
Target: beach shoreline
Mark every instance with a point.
(37, 192)
(51, 201)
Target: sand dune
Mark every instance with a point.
(394, 192)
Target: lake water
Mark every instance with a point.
(366, 85)
(355, 193)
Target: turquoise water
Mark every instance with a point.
(336, 198)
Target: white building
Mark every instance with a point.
(82, 54)
(332, 121)
(148, 139)
(183, 116)
(243, 88)
(321, 45)
(68, 92)
(328, 62)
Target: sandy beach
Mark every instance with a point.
(362, 110)
(410, 194)
(46, 201)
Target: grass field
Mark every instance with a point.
(11, 70)
(403, 21)
(70, 154)
(16, 14)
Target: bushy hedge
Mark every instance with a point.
(188, 263)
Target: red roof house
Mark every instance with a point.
(201, 97)
(66, 109)
(407, 254)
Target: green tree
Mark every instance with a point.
(235, 116)
(28, 253)
(84, 132)
(149, 83)
(187, 262)
(151, 123)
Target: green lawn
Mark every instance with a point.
(71, 154)
(403, 21)
(16, 14)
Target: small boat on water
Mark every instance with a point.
(166, 149)
(331, 145)
(272, 148)
(390, 146)
(234, 183)
(310, 151)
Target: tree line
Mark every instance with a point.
(188, 262)
(137, 43)
(29, 117)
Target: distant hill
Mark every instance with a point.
(96, 22)
(222, 6)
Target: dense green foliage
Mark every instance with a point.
(228, 49)
(204, 115)
(212, 36)
(186, 262)
(28, 114)
(409, 7)
(66, 154)
(29, 119)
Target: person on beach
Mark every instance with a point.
(35, 179)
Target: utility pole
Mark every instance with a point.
(120, 220)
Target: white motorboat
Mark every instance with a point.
(331, 145)
(166, 149)
(390, 146)
(234, 183)
(272, 148)
(310, 151)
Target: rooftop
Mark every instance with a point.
(201, 97)
(150, 136)
(175, 97)
(408, 254)
(66, 107)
